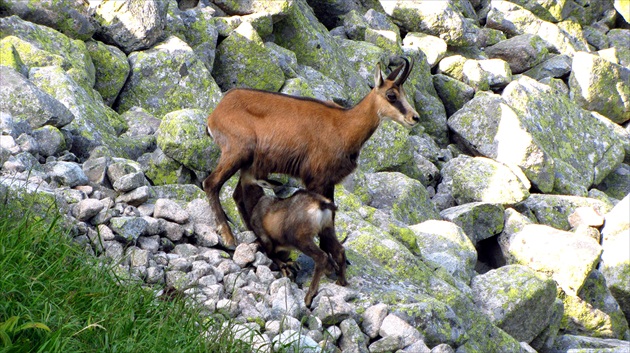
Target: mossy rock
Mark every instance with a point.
(112, 69)
(182, 136)
(388, 149)
(243, 61)
(166, 78)
(43, 46)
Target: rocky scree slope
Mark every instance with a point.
(498, 225)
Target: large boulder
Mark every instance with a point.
(39, 46)
(405, 199)
(599, 85)
(446, 245)
(313, 45)
(122, 26)
(554, 210)
(522, 52)
(182, 136)
(479, 220)
(243, 61)
(70, 17)
(95, 123)
(540, 137)
(28, 103)
(166, 78)
(440, 19)
(481, 179)
(112, 69)
(516, 299)
(567, 258)
(616, 257)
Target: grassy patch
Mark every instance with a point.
(56, 298)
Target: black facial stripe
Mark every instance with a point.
(401, 108)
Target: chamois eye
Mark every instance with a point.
(391, 96)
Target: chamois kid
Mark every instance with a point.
(293, 223)
(316, 141)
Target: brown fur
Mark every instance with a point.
(314, 140)
(293, 223)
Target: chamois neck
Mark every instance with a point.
(361, 122)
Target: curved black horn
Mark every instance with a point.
(392, 76)
(406, 72)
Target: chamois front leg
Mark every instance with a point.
(212, 186)
(246, 197)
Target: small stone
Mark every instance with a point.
(170, 210)
(331, 309)
(128, 228)
(244, 254)
(587, 216)
(173, 231)
(129, 182)
(373, 318)
(135, 197)
(68, 174)
(88, 208)
(395, 326)
(205, 235)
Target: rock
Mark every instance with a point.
(393, 326)
(616, 183)
(166, 78)
(478, 220)
(94, 122)
(599, 85)
(170, 210)
(96, 169)
(440, 20)
(616, 256)
(554, 210)
(434, 48)
(294, 341)
(513, 20)
(129, 229)
(565, 343)
(88, 208)
(69, 17)
(453, 93)
(29, 103)
(120, 25)
(286, 299)
(331, 309)
(483, 180)
(164, 170)
(435, 321)
(387, 150)
(50, 141)
(243, 61)
(244, 254)
(40, 46)
(129, 182)
(446, 245)
(352, 339)
(68, 174)
(373, 319)
(544, 249)
(484, 75)
(313, 46)
(521, 52)
(594, 311)
(135, 197)
(404, 198)
(182, 136)
(523, 316)
(556, 66)
(585, 216)
(442, 348)
(111, 69)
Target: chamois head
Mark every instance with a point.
(392, 99)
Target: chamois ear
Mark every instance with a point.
(378, 76)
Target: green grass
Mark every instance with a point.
(56, 298)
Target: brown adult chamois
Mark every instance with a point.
(293, 223)
(317, 141)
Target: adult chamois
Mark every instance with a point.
(317, 141)
(291, 223)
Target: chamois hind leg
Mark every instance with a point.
(322, 266)
(212, 185)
